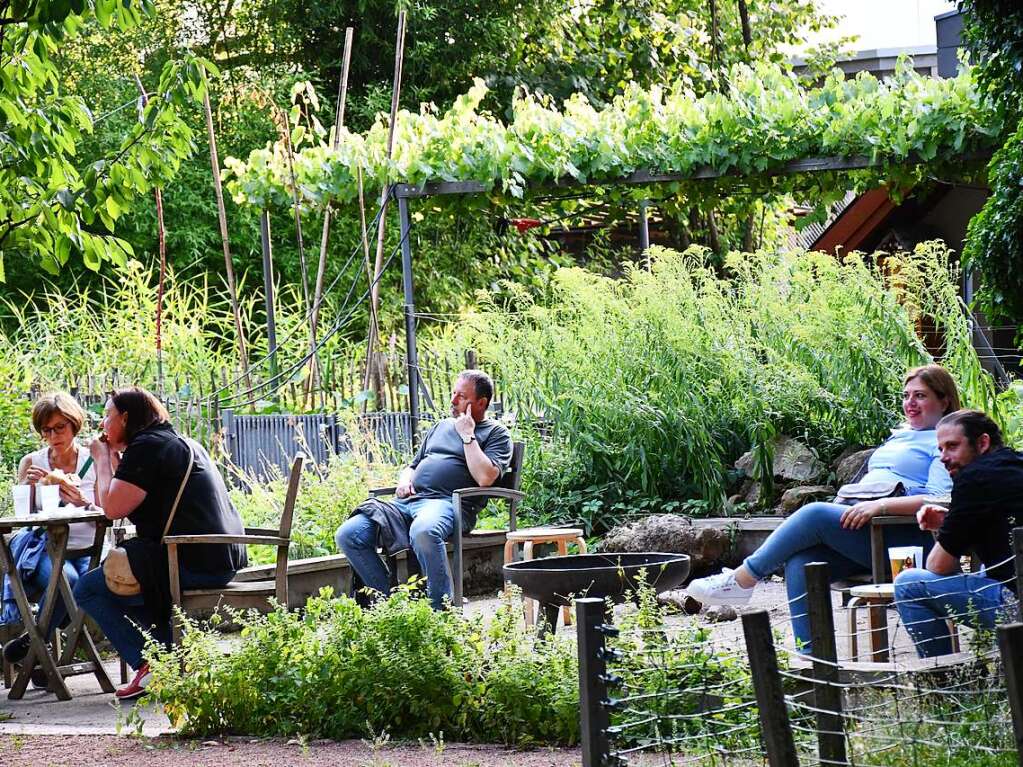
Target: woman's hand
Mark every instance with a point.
(34, 474)
(72, 496)
(857, 516)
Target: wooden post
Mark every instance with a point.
(828, 696)
(1010, 644)
(775, 729)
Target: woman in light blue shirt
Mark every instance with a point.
(838, 534)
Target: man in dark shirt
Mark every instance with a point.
(987, 502)
(466, 450)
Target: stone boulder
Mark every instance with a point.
(670, 533)
(796, 497)
(793, 461)
(849, 464)
(720, 614)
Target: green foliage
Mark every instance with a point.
(651, 386)
(687, 687)
(994, 33)
(56, 202)
(337, 670)
(16, 435)
(328, 495)
(764, 119)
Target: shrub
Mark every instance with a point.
(652, 385)
(337, 670)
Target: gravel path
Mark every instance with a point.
(115, 751)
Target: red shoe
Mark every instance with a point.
(136, 688)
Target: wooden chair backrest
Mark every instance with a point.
(513, 477)
(287, 514)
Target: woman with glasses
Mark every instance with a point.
(57, 417)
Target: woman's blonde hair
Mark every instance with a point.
(56, 402)
(939, 381)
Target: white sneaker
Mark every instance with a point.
(720, 589)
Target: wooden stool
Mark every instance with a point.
(528, 537)
(877, 598)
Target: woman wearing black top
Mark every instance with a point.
(140, 466)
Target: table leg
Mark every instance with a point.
(527, 604)
(878, 620)
(37, 653)
(566, 612)
(78, 634)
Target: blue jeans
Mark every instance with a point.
(117, 616)
(925, 600)
(432, 521)
(815, 534)
(36, 586)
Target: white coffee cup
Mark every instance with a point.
(22, 495)
(49, 497)
(905, 557)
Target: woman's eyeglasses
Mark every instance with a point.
(60, 428)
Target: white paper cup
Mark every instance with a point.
(22, 495)
(49, 498)
(904, 558)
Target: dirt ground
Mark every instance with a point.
(118, 751)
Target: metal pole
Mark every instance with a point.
(828, 696)
(411, 352)
(644, 232)
(1017, 549)
(268, 291)
(1010, 645)
(775, 730)
(593, 714)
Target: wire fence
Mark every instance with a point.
(688, 695)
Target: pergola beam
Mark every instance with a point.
(639, 177)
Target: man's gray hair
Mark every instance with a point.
(482, 383)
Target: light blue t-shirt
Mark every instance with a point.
(911, 456)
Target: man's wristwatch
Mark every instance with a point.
(467, 440)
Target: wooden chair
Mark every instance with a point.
(239, 594)
(506, 488)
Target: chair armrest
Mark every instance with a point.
(382, 491)
(268, 540)
(490, 492)
(894, 519)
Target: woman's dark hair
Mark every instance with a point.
(974, 423)
(142, 408)
(939, 381)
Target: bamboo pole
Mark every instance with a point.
(321, 266)
(218, 191)
(399, 58)
(162, 240)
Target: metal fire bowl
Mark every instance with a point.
(558, 580)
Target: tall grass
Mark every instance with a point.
(63, 334)
(652, 385)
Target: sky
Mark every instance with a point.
(884, 23)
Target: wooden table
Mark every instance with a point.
(56, 669)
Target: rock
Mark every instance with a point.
(847, 468)
(670, 533)
(720, 614)
(754, 494)
(792, 461)
(799, 496)
(681, 601)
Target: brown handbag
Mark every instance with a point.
(117, 570)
